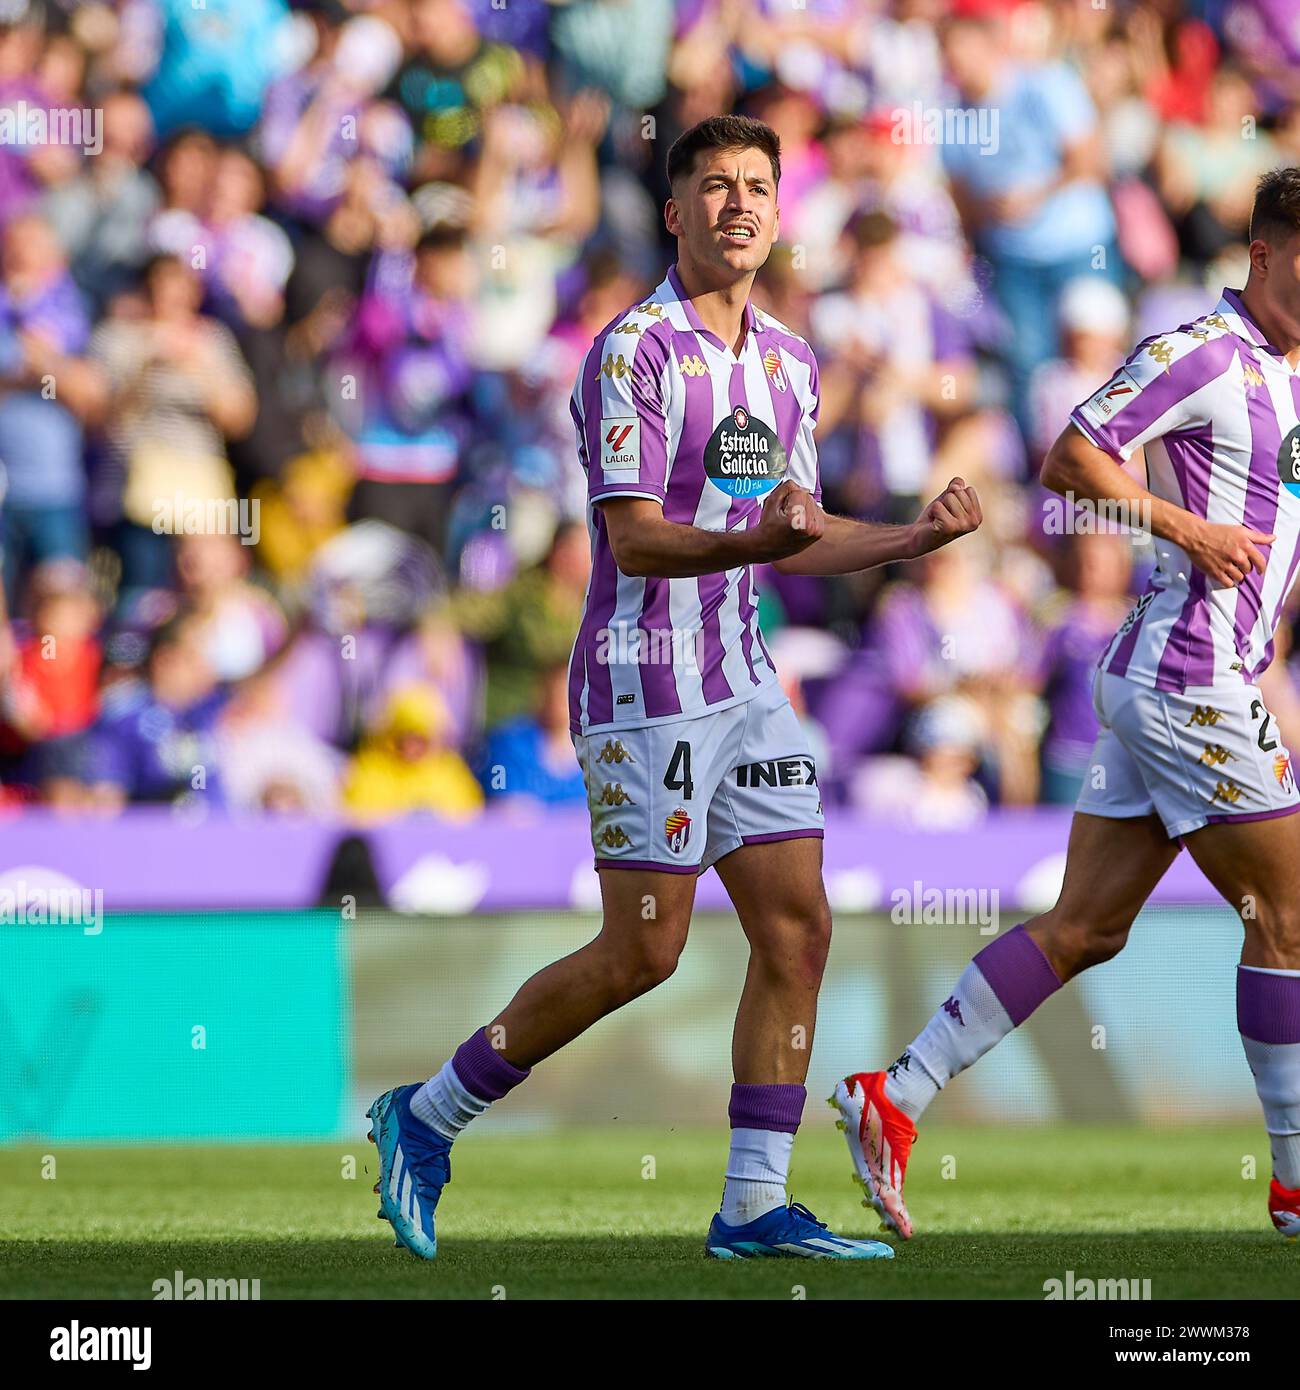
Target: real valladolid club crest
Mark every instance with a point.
(677, 829)
(772, 366)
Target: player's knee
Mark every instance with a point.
(1073, 944)
(648, 965)
(1276, 925)
(796, 942)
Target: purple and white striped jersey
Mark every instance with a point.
(1218, 413)
(665, 410)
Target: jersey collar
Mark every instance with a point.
(1233, 311)
(749, 318)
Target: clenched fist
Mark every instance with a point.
(955, 512)
(790, 522)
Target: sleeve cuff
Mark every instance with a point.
(1084, 428)
(631, 490)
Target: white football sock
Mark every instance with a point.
(1286, 1158)
(445, 1105)
(969, 1022)
(757, 1168)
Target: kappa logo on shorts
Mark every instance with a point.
(1227, 791)
(677, 829)
(614, 752)
(612, 837)
(1204, 716)
(1216, 754)
(614, 795)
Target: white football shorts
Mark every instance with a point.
(675, 797)
(1210, 754)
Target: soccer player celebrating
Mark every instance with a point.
(695, 417)
(1188, 752)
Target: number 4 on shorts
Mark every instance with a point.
(678, 776)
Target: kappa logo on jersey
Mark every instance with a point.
(1161, 352)
(620, 443)
(631, 326)
(1204, 716)
(693, 365)
(778, 772)
(614, 795)
(614, 752)
(744, 457)
(612, 837)
(677, 829)
(772, 366)
(612, 366)
(1252, 376)
(1113, 396)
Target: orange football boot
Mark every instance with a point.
(1284, 1208)
(880, 1138)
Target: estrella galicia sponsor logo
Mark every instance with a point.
(1288, 462)
(744, 457)
(778, 772)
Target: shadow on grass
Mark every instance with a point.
(1198, 1265)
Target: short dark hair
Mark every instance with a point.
(1276, 214)
(723, 133)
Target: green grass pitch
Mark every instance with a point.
(570, 1215)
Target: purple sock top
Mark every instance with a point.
(778, 1107)
(1017, 972)
(1268, 1006)
(483, 1071)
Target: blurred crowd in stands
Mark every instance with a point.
(293, 520)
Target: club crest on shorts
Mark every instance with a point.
(1282, 771)
(677, 829)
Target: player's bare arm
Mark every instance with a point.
(1226, 553)
(847, 546)
(646, 544)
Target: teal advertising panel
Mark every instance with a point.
(174, 1027)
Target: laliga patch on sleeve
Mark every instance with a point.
(620, 444)
(1113, 397)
